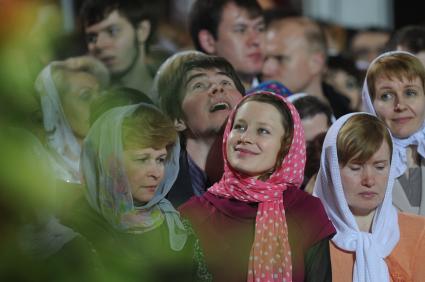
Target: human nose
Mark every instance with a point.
(400, 104)
(155, 171)
(368, 178)
(216, 88)
(102, 41)
(255, 37)
(246, 137)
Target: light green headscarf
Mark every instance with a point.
(107, 187)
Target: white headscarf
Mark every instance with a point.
(370, 248)
(400, 145)
(60, 138)
(107, 187)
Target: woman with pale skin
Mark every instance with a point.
(394, 92)
(255, 224)
(374, 242)
(66, 89)
(129, 163)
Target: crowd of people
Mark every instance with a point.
(255, 155)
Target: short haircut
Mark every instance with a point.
(147, 127)
(286, 120)
(360, 138)
(171, 78)
(411, 38)
(206, 14)
(313, 32)
(116, 97)
(135, 11)
(395, 66)
(309, 106)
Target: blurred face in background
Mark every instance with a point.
(82, 88)
(367, 45)
(347, 85)
(113, 41)
(240, 39)
(287, 56)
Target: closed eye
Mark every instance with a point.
(354, 167)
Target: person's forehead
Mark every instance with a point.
(113, 18)
(287, 38)
(204, 73)
(232, 13)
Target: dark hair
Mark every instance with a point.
(345, 64)
(286, 120)
(171, 78)
(279, 14)
(116, 97)
(206, 14)
(135, 11)
(309, 106)
(313, 154)
(411, 38)
(360, 137)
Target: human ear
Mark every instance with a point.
(179, 124)
(143, 30)
(207, 41)
(317, 62)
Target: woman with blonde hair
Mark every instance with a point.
(374, 242)
(394, 91)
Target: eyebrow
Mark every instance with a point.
(192, 77)
(197, 75)
(104, 28)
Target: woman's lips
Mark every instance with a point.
(402, 121)
(368, 195)
(245, 152)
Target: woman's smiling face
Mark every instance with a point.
(255, 140)
(400, 103)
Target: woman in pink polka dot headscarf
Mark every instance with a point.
(255, 224)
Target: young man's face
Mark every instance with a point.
(210, 95)
(113, 41)
(240, 39)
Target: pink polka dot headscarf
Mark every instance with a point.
(270, 257)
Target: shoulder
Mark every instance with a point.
(197, 209)
(299, 201)
(307, 214)
(412, 226)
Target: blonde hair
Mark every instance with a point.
(85, 64)
(360, 137)
(147, 127)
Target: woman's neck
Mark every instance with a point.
(365, 221)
